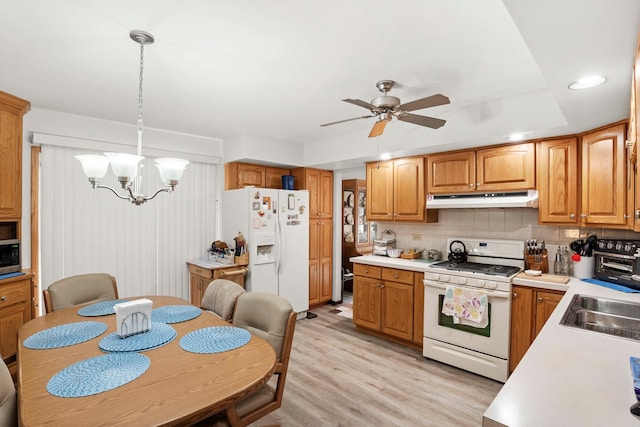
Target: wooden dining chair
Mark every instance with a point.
(272, 318)
(8, 401)
(80, 289)
(220, 298)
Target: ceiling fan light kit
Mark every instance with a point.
(385, 107)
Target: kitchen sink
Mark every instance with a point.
(604, 315)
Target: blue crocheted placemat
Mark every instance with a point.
(98, 374)
(65, 335)
(215, 339)
(174, 313)
(159, 335)
(613, 286)
(103, 308)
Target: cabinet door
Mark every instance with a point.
(195, 286)
(366, 302)
(408, 189)
(451, 172)
(558, 181)
(418, 308)
(273, 177)
(11, 111)
(251, 175)
(326, 264)
(604, 177)
(506, 168)
(397, 310)
(314, 185)
(546, 302)
(521, 323)
(380, 191)
(326, 194)
(314, 261)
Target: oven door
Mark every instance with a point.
(492, 340)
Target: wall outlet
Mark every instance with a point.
(416, 237)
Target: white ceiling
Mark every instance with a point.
(280, 68)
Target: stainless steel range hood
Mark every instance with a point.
(522, 199)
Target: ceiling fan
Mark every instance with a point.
(385, 107)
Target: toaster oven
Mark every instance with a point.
(386, 241)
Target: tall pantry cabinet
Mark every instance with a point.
(319, 183)
(16, 293)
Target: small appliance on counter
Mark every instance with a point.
(386, 241)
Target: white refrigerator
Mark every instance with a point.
(275, 225)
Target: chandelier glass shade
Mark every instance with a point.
(126, 166)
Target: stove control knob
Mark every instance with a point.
(628, 248)
(618, 246)
(609, 245)
(602, 244)
(481, 284)
(492, 285)
(445, 278)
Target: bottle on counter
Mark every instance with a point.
(557, 265)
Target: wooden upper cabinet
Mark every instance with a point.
(380, 191)
(634, 135)
(408, 189)
(503, 168)
(558, 181)
(604, 178)
(273, 177)
(451, 172)
(240, 175)
(319, 183)
(11, 111)
(396, 191)
(251, 175)
(506, 168)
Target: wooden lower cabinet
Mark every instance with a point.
(15, 310)
(200, 277)
(383, 301)
(530, 310)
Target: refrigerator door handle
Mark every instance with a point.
(278, 243)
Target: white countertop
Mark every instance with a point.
(211, 265)
(569, 376)
(418, 264)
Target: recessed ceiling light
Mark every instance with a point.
(587, 82)
(516, 136)
(385, 156)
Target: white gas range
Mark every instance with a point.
(478, 274)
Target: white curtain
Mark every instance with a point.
(145, 247)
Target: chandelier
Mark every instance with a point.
(127, 166)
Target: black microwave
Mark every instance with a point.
(9, 256)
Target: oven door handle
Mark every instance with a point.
(490, 294)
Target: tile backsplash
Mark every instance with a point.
(496, 223)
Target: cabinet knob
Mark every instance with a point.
(540, 299)
(366, 270)
(515, 295)
(471, 185)
(3, 298)
(572, 216)
(396, 276)
(583, 215)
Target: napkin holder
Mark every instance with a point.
(133, 317)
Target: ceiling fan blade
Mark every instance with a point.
(429, 101)
(361, 103)
(347, 120)
(422, 120)
(378, 128)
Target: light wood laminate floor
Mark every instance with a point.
(341, 377)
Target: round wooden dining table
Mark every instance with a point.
(178, 388)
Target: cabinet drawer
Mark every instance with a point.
(366, 271)
(396, 275)
(14, 292)
(202, 272)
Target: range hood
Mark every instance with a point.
(522, 199)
